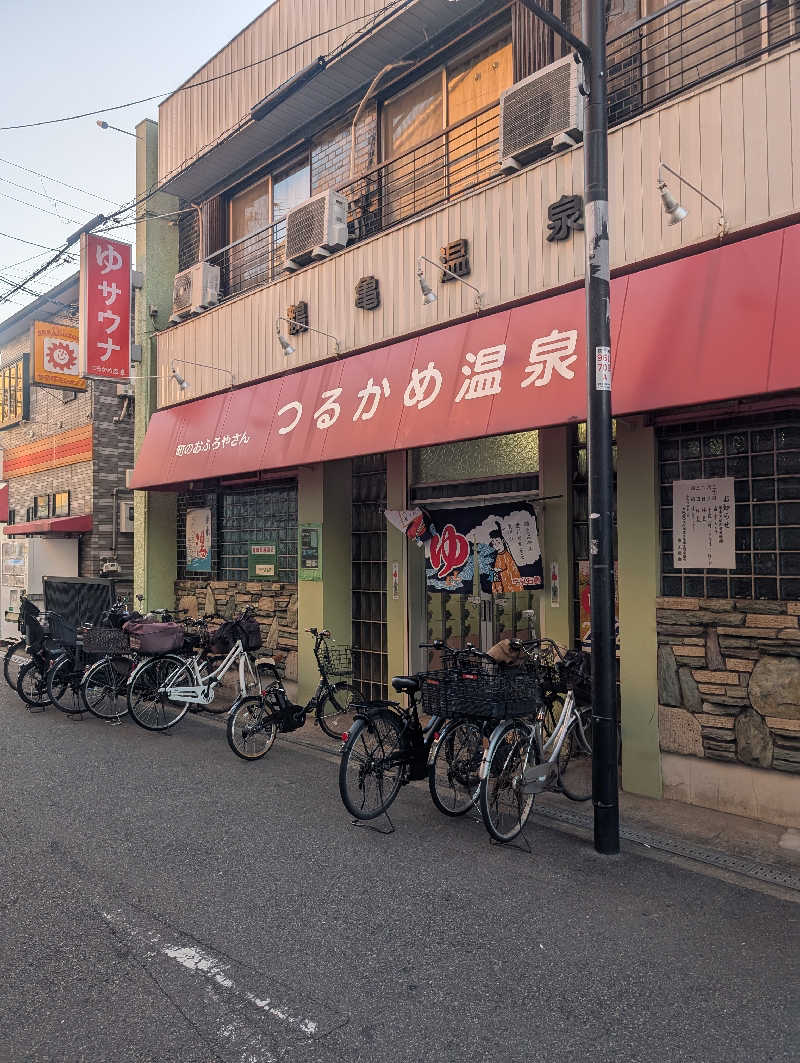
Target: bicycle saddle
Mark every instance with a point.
(405, 684)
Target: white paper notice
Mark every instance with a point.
(703, 523)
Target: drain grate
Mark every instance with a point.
(778, 876)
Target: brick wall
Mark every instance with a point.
(729, 680)
(113, 454)
(330, 152)
(274, 605)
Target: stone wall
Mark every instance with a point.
(274, 606)
(729, 680)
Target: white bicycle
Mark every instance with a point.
(161, 690)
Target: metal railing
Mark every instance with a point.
(688, 42)
(660, 56)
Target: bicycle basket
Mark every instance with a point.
(436, 688)
(494, 695)
(103, 640)
(336, 660)
(61, 631)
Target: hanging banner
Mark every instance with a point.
(703, 525)
(198, 540)
(105, 308)
(413, 523)
(55, 356)
(503, 539)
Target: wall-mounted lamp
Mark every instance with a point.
(104, 125)
(288, 349)
(429, 295)
(674, 210)
(179, 380)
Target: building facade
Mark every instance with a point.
(433, 357)
(67, 443)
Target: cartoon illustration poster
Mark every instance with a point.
(502, 540)
(198, 540)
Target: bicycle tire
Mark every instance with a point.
(251, 729)
(32, 686)
(333, 712)
(63, 685)
(575, 761)
(148, 707)
(372, 765)
(15, 657)
(453, 772)
(504, 806)
(103, 689)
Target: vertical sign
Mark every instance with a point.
(703, 525)
(198, 540)
(555, 592)
(105, 308)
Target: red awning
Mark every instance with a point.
(53, 526)
(717, 325)
(3, 503)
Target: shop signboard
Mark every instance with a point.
(105, 308)
(703, 523)
(309, 552)
(262, 560)
(198, 540)
(55, 356)
(502, 539)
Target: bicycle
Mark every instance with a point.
(254, 721)
(67, 673)
(16, 655)
(44, 648)
(161, 690)
(522, 760)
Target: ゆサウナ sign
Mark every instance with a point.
(105, 308)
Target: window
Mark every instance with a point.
(14, 392)
(12, 516)
(763, 458)
(431, 167)
(368, 546)
(41, 507)
(29, 513)
(61, 504)
(239, 517)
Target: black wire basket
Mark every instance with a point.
(336, 660)
(481, 694)
(103, 640)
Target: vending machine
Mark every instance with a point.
(24, 562)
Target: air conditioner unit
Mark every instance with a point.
(316, 228)
(195, 290)
(540, 113)
(126, 517)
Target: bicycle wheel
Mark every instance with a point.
(371, 768)
(575, 759)
(103, 687)
(504, 806)
(15, 657)
(251, 728)
(453, 777)
(32, 686)
(334, 714)
(63, 685)
(148, 702)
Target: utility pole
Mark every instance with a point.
(592, 52)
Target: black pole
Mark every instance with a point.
(605, 796)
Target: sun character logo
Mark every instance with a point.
(60, 356)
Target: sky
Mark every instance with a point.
(59, 60)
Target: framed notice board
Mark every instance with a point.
(262, 559)
(309, 551)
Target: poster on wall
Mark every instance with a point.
(501, 540)
(198, 540)
(55, 356)
(703, 523)
(262, 560)
(585, 604)
(309, 550)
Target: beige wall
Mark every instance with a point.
(702, 136)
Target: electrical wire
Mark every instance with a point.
(45, 195)
(32, 243)
(197, 84)
(57, 181)
(35, 206)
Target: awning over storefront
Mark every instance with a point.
(3, 503)
(53, 526)
(718, 325)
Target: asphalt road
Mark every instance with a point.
(161, 900)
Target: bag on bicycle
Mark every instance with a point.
(153, 638)
(223, 639)
(250, 634)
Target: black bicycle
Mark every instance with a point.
(255, 721)
(17, 656)
(44, 647)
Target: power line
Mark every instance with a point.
(196, 84)
(45, 195)
(35, 206)
(56, 180)
(32, 243)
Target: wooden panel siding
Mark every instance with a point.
(701, 136)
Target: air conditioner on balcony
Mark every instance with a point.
(540, 113)
(195, 290)
(315, 229)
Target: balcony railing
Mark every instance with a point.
(673, 50)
